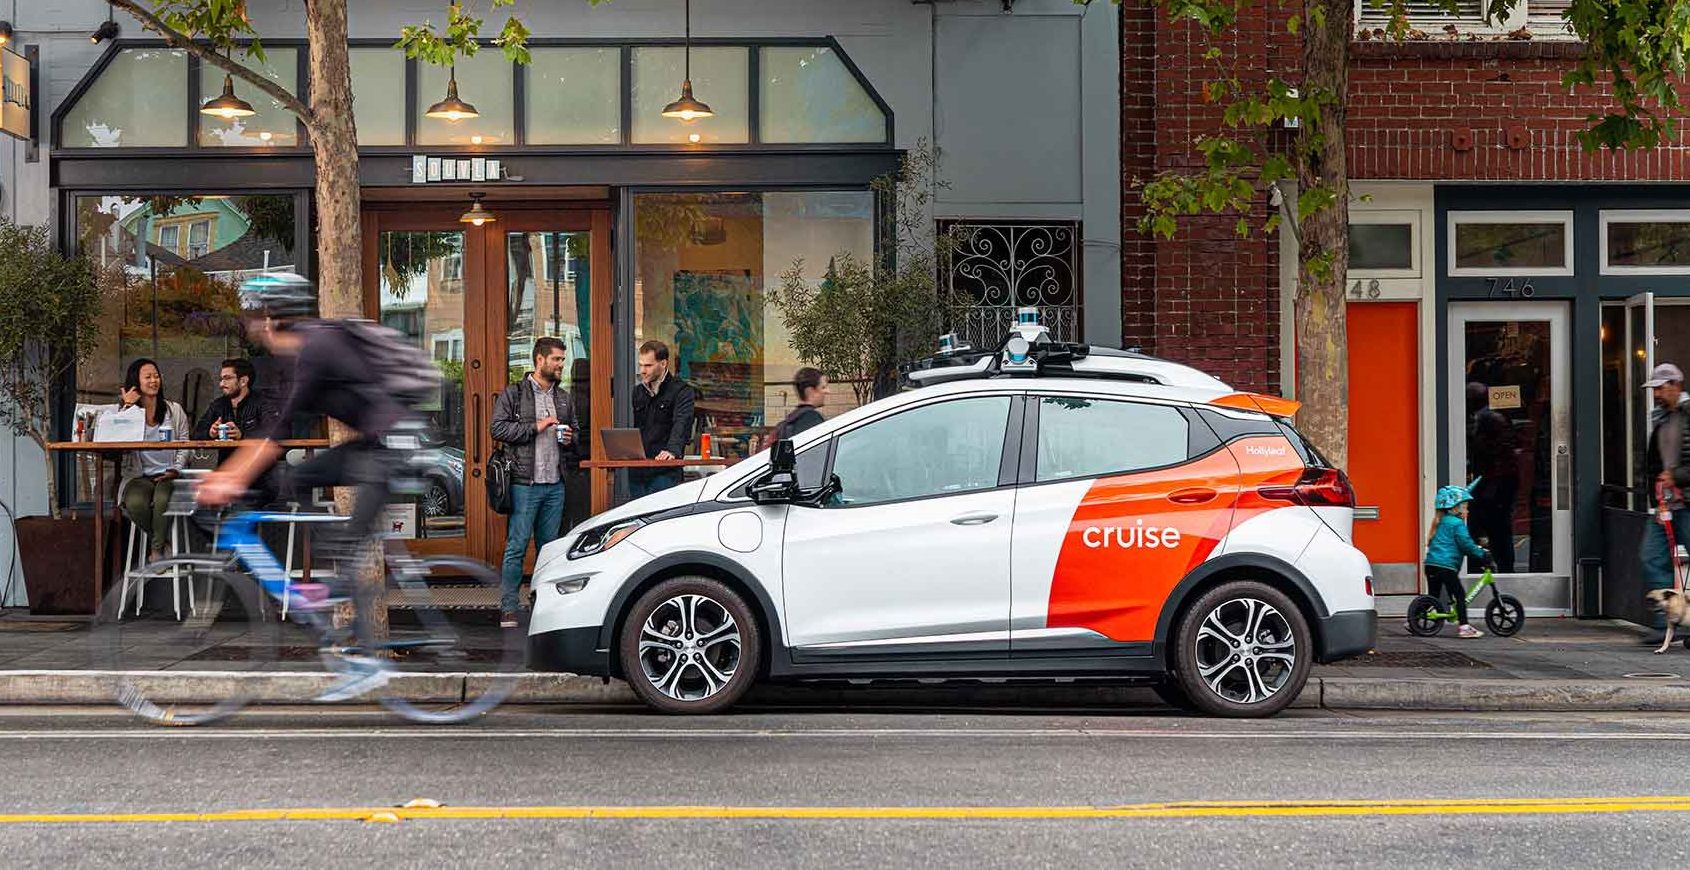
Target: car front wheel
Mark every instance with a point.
(690, 645)
(1242, 650)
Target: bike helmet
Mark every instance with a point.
(282, 295)
(1450, 496)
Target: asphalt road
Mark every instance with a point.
(774, 788)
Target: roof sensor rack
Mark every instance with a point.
(1029, 351)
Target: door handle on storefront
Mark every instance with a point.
(1563, 478)
(475, 443)
(975, 519)
(1194, 495)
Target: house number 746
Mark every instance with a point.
(1510, 289)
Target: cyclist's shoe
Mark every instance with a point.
(308, 596)
(1469, 631)
(361, 675)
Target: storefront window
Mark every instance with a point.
(137, 101)
(273, 126)
(703, 263)
(719, 77)
(574, 96)
(378, 89)
(809, 95)
(1657, 243)
(185, 256)
(1511, 243)
(485, 82)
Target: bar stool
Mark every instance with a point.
(132, 576)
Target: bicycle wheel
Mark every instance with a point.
(1421, 622)
(221, 626)
(1505, 615)
(438, 625)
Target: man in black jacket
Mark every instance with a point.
(1667, 469)
(663, 411)
(238, 412)
(535, 420)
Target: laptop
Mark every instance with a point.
(622, 444)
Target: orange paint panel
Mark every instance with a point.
(1384, 340)
(1134, 537)
(1275, 405)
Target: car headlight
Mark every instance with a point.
(597, 540)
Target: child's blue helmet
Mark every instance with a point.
(1452, 495)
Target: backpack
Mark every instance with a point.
(783, 429)
(404, 371)
(501, 471)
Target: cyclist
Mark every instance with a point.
(1446, 543)
(334, 376)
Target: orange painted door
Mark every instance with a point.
(1384, 339)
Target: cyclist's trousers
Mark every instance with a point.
(370, 469)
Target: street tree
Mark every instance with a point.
(1636, 49)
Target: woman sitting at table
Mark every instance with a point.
(148, 475)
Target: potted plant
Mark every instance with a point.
(50, 307)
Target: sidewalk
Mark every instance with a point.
(1552, 665)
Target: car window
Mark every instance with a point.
(1087, 437)
(939, 449)
(810, 465)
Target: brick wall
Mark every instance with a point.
(1211, 299)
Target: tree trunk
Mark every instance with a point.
(340, 249)
(1323, 252)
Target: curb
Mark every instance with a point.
(75, 688)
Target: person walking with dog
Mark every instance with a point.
(1666, 475)
(1446, 544)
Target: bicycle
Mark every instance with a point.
(234, 625)
(1504, 615)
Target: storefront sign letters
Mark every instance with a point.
(1505, 398)
(15, 91)
(425, 169)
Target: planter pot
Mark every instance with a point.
(58, 564)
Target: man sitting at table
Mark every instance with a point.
(237, 412)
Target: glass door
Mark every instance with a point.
(1509, 429)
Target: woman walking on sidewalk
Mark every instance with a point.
(1446, 544)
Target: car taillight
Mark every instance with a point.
(1318, 487)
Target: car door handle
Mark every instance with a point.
(974, 519)
(1194, 495)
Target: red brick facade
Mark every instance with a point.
(1442, 110)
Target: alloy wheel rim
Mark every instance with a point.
(1245, 651)
(436, 503)
(690, 647)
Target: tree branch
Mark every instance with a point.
(209, 54)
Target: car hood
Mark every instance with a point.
(673, 497)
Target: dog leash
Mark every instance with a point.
(1665, 517)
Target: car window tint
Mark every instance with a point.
(810, 465)
(1087, 437)
(949, 447)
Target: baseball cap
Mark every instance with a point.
(1662, 374)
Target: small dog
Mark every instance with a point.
(1676, 606)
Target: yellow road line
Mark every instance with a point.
(1184, 809)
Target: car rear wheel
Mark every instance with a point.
(1242, 650)
(690, 645)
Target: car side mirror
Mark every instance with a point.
(774, 487)
(782, 456)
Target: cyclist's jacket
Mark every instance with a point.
(1450, 541)
(331, 378)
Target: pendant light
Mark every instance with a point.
(686, 108)
(6, 30)
(227, 105)
(452, 108)
(477, 215)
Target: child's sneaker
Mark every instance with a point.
(1469, 631)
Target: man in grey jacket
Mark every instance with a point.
(1666, 465)
(534, 419)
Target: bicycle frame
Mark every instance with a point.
(239, 533)
(1486, 580)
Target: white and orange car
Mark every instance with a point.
(1041, 511)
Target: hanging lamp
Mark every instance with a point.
(227, 105)
(452, 108)
(477, 215)
(687, 108)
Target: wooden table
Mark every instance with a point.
(683, 462)
(104, 450)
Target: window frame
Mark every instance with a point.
(519, 82)
(1564, 217)
(1610, 216)
(1365, 15)
(1009, 457)
(1391, 217)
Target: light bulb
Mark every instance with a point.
(475, 140)
(266, 135)
(694, 137)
